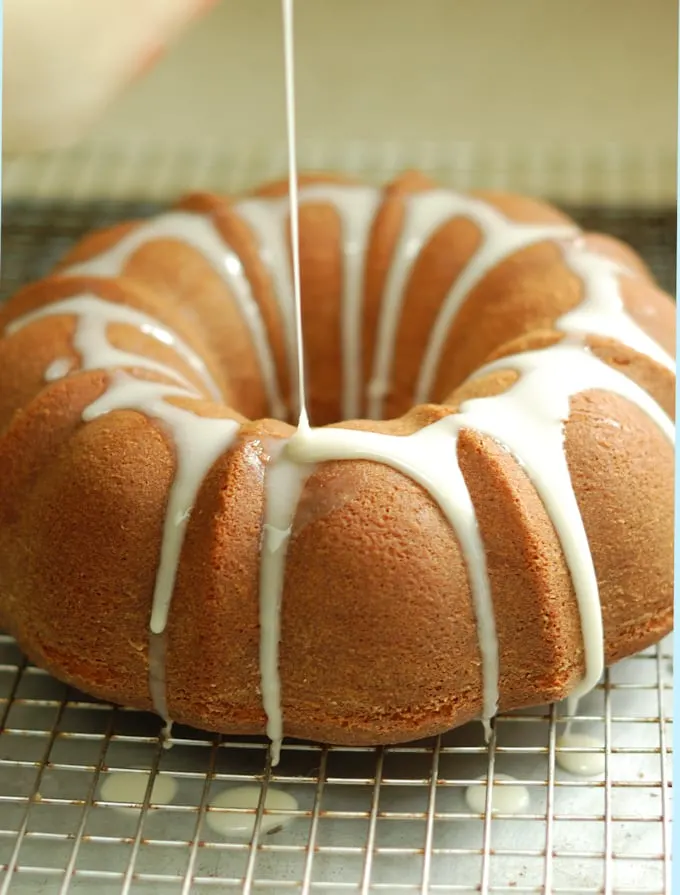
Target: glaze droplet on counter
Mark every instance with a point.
(510, 797)
(126, 786)
(589, 763)
(240, 804)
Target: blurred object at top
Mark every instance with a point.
(66, 60)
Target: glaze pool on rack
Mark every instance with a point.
(368, 581)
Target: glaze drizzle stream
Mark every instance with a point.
(284, 481)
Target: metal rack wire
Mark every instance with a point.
(367, 820)
(608, 174)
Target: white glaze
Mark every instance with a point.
(509, 797)
(241, 803)
(601, 310)
(582, 764)
(198, 442)
(93, 316)
(58, 369)
(284, 483)
(200, 233)
(294, 217)
(157, 656)
(125, 786)
(356, 207)
(266, 219)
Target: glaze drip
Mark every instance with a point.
(199, 442)
(201, 234)
(588, 763)
(601, 310)
(236, 813)
(511, 797)
(93, 316)
(284, 483)
(58, 369)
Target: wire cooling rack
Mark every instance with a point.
(607, 174)
(385, 820)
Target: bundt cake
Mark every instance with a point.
(492, 526)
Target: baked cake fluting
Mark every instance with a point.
(497, 529)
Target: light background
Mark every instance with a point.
(521, 71)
